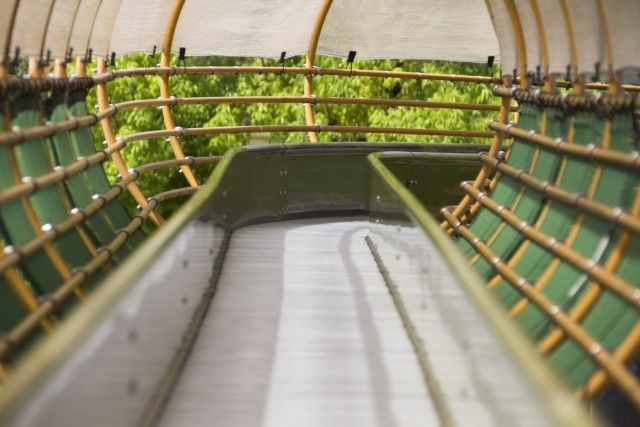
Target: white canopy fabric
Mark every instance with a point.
(506, 38)
(455, 30)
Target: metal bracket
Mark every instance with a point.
(350, 58)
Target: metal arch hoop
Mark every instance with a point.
(311, 57)
(165, 91)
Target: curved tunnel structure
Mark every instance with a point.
(312, 283)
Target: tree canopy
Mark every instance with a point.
(145, 151)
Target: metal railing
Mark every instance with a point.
(41, 309)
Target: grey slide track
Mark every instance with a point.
(301, 332)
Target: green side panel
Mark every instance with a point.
(51, 205)
(95, 180)
(435, 184)
(252, 182)
(17, 230)
(275, 181)
(268, 185)
(596, 237)
(484, 224)
(520, 156)
(610, 322)
(611, 319)
(531, 201)
(78, 186)
(595, 241)
(527, 209)
(559, 218)
(10, 307)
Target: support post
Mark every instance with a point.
(311, 58)
(110, 137)
(165, 61)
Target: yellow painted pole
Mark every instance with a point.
(4, 63)
(311, 59)
(110, 137)
(165, 61)
(542, 37)
(520, 43)
(615, 78)
(467, 204)
(573, 50)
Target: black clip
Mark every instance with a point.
(112, 62)
(567, 76)
(515, 74)
(490, 60)
(182, 56)
(153, 53)
(88, 55)
(281, 61)
(596, 74)
(531, 76)
(68, 55)
(538, 74)
(350, 58)
(16, 58)
(45, 62)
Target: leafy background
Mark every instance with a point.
(145, 151)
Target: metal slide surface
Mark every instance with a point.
(301, 331)
(370, 320)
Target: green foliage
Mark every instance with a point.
(145, 151)
(393, 88)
